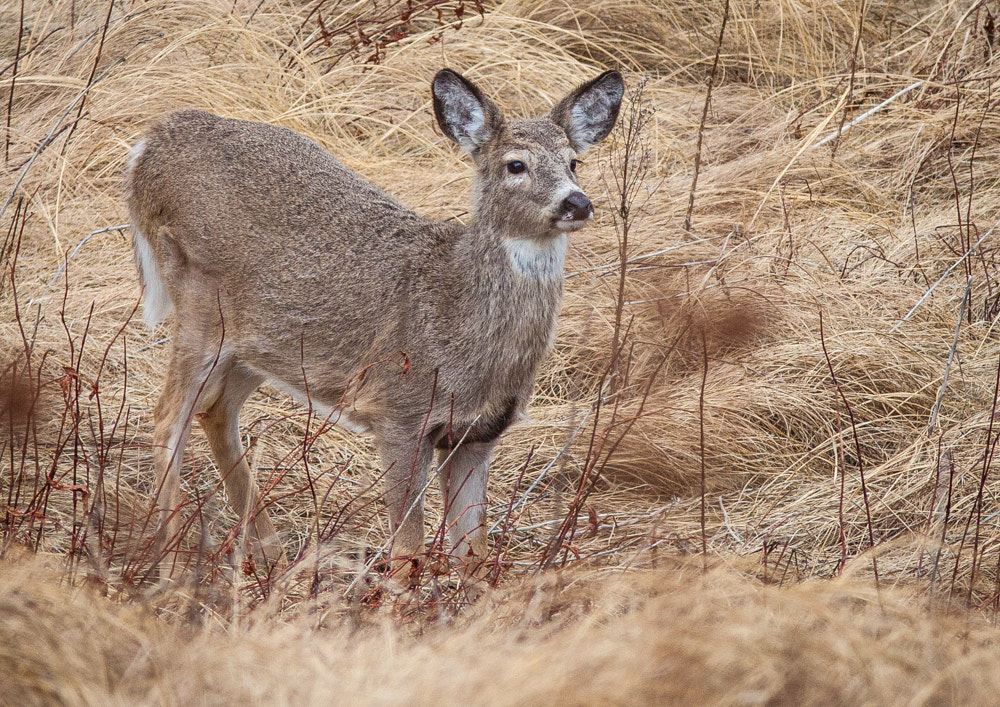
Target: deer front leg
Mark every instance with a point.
(462, 474)
(405, 460)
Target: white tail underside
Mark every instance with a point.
(156, 303)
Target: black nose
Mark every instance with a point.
(577, 206)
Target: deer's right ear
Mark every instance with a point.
(463, 112)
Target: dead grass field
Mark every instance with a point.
(759, 464)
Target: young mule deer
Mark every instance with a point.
(284, 265)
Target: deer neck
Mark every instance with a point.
(513, 287)
(537, 258)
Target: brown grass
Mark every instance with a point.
(772, 395)
(675, 636)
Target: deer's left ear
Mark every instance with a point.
(589, 112)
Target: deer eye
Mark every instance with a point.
(516, 167)
(573, 165)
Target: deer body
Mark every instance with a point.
(284, 265)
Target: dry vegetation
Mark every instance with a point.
(758, 469)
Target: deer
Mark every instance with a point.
(283, 265)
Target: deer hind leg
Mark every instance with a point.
(462, 473)
(192, 379)
(405, 460)
(220, 422)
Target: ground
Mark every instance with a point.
(758, 464)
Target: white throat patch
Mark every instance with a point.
(538, 258)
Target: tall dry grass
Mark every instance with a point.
(801, 384)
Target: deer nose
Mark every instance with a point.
(577, 206)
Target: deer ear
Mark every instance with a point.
(589, 112)
(463, 112)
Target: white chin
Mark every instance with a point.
(570, 225)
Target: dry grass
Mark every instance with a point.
(674, 637)
(772, 397)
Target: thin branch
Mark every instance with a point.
(951, 358)
(850, 83)
(704, 118)
(62, 268)
(93, 72)
(47, 140)
(13, 78)
(869, 113)
(940, 279)
(857, 445)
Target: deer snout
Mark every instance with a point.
(577, 207)
(576, 210)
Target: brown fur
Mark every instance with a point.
(284, 264)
